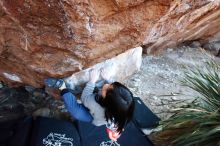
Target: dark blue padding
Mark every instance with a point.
(15, 132)
(22, 133)
(143, 117)
(7, 131)
(47, 131)
(93, 136)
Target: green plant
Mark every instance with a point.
(199, 123)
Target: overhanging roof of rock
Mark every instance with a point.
(42, 38)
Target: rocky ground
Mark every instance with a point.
(157, 83)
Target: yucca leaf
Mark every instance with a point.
(199, 123)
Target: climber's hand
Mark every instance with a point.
(105, 74)
(94, 75)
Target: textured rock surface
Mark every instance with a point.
(119, 68)
(186, 20)
(42, 38)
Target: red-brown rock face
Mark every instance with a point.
(42, 38)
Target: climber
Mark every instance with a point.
(112, 105)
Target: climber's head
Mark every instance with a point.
(119, 104)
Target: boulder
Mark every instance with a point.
(119, 68)
(54, 38)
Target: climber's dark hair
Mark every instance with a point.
(119, 105)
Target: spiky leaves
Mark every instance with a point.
(199, 123)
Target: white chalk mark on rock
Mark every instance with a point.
(12, 77)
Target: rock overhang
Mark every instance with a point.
(49, 38)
